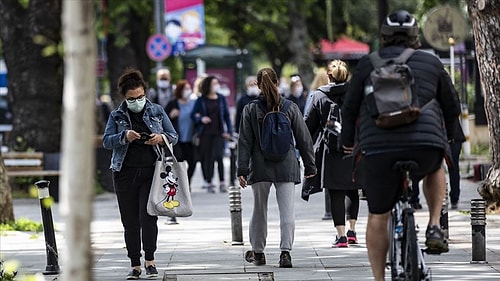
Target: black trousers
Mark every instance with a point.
(186, 151)
(132, 187)
(342, 203)
(211, 150)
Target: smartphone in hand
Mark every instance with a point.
(145, 136)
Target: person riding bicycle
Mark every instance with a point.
(424, 141)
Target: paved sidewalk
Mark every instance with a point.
(199, 247)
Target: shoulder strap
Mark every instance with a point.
(404, 56)
(377, 61)
(286, 105)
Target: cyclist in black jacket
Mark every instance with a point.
(424, 141)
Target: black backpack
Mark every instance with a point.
(390, 96)
(276, 134)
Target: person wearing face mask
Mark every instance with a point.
(252, 93)
(179, 111)
(213, 124)
(298, 93)
(164, 92)
(132, 131)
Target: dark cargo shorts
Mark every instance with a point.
(382, 183)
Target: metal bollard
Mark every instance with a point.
(478, 224)
(443, 219)
(48, 229)
(235, 208)
(328, 209)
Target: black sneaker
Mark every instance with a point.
(255, 258)
(340, 242)
(351, 237)
(454, 206)
(285, 260)
(151, 271)
(134, 274)
(434, 240)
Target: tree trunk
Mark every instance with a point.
(485, 17)
(78, 177)
(299, 41)
(35, 79)
(383, 11)
(134, 30)
(6, 208)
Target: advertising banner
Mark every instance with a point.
(184, 24)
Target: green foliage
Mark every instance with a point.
(24, 3)
(22, 224)
(480, 148)
(113, 18)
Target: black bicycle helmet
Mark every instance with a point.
(399, 22)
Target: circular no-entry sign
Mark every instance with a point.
(158, 48)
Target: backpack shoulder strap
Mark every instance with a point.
(377, 61)
(404, 56)
(286, 105)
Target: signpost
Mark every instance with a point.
(158, 48)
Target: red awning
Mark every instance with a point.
(344, 48)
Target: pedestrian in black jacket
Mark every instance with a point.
(424, 141)
(335, 173)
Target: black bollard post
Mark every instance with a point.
(478, 224)
(328, 209)
(48, 229)
(443, 219)
(232, 167)
(235, 208)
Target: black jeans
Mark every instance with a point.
(132, 187)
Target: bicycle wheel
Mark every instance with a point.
(409, 245)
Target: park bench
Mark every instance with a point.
(27, 164)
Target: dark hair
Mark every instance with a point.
(131, 79)
(206, 84)
(179, 88)
(267, 80)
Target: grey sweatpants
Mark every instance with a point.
(285, 192)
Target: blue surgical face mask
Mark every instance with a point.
(136, 105)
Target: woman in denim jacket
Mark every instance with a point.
(132, 130)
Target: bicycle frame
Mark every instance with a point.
(397, 257)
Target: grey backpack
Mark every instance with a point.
(390, 97)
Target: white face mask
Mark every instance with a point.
(162, 84)
(298, 92)
(186, 93)
(215, 88)
(136, 105)
(253, 91)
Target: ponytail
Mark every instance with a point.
(267, 80)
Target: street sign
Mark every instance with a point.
(158, 48)
(443, 23)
